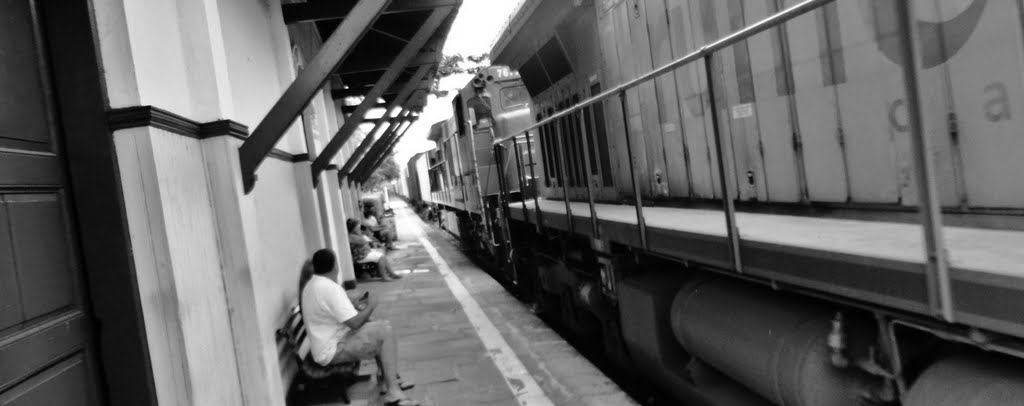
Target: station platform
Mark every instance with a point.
(464, 340)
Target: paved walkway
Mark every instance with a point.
(478, 345)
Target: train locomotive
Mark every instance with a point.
(772, 205)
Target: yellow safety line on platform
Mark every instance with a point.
(518, 379)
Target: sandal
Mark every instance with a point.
(402, 402)
(401, 384)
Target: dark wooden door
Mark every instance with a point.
(45, 344)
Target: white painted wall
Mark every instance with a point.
(280, 247)
(200, 245)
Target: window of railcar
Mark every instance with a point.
(434, 184)
(556, 64)
(602, 138)
(449, 162)
(481, 113)
(534, 77)
(460, 115)
(514, 97)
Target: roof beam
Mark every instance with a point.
(370, 165)
(269, 131)
(410, 50)
(390, 120)
(360, 150)
(380, 160)
(332, 10)
(382, 63)
(361, 91)
(404, 96)
(351, 109)
(371, 155)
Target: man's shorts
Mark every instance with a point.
(364, 343)
(374, 256)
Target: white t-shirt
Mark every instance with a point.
(325, 309)
(372, 221)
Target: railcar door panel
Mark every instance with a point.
(677, 176)
(613, 112)
(640, 61)
(988, 89)
(870, 83)
(687, 37)
(772, 107)
(819, 128)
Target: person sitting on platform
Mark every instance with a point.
(339, 333)
(379, 231)
(363, 253)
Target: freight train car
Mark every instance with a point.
(777, 216)
(462, 172)
(416, 184)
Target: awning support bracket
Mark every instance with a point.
(403, 59)
(274, 125)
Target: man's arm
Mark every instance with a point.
(363, 316)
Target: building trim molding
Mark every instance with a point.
(149, 116)
(155, 117)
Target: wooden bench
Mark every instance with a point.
(334, 377)
(367, 269)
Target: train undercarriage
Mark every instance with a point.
(710, 336)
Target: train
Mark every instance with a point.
(750, 202)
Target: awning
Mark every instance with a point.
(376, 49)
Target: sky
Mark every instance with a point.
(478, 24)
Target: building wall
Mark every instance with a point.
(218, 269)
(280, 253)
(172, 226)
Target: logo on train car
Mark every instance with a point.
(939, 40)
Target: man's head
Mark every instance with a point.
(352, 225)
(324, 262)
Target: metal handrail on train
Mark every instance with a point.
(937, 273)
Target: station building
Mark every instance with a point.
(166, 166)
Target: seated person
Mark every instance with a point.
(339, 333)
(363, 253)
(379, 231)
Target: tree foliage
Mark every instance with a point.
(457, 64)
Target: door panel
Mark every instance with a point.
(45, 335)
(59, 385)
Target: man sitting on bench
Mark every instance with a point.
(339, 333)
